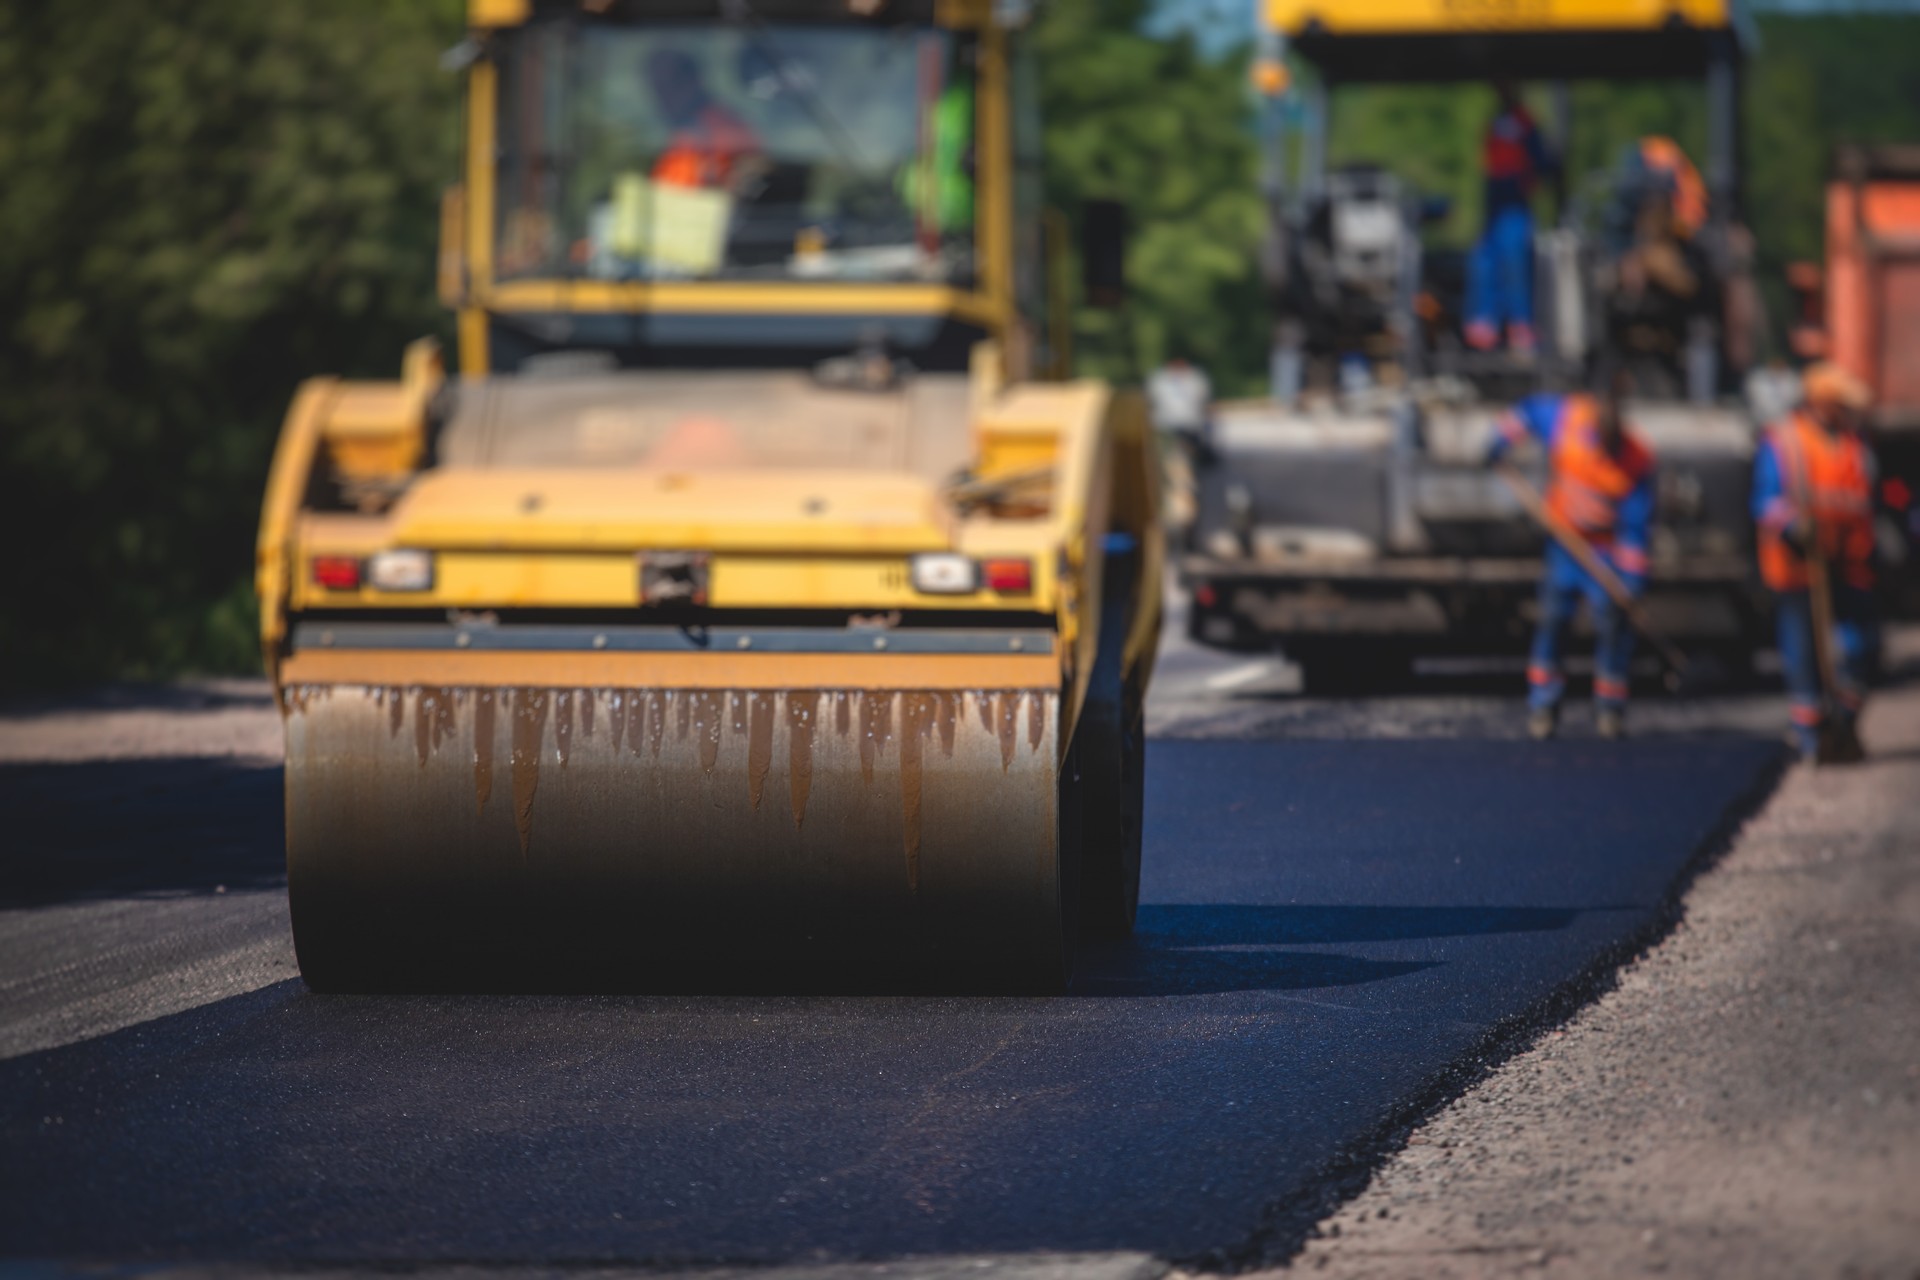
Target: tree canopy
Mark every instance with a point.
(207, 201)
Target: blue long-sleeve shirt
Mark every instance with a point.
(1773, 502)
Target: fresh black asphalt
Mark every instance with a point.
(1330, 926)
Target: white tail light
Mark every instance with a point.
(400, 570)
(944, 574)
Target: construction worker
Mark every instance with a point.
(1666, 171)
(1602, 488)
(1813, 505)
(709, 142)
(1500, 270)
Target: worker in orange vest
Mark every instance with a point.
(1813, 497)
(709, 141)
(1602, 486)
(1668, 168)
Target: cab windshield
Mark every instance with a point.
(757, 151)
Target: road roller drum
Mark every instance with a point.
(446, 836)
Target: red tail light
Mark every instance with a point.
(1896, 493)
(1008, 577)
(336, 573)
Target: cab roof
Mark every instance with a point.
(1458, 40)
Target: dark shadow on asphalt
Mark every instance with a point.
(140, 697)
(1174, 971)
(114, 828)
(1246, 925)
(1210, 948)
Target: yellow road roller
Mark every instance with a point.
(760, 602)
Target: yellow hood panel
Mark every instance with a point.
(717, 510)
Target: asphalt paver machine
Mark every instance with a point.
(1348, 516)
(758, 603)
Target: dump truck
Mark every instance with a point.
(759, 601)
(1348, 516)
(1861, 308)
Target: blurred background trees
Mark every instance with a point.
(205, 201)
(209, 199)
(1168, 130)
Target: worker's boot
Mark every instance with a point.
(1611, 722)
(1520, 338)
(1543, 723)
(1481, 335)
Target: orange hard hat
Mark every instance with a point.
(1828, 383)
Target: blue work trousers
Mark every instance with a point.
(1500, 271)
(1562, 589)
(1857, 639)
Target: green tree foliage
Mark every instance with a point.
(1417, 131)
(206, 200)
(1851, 78)
(1166, 130)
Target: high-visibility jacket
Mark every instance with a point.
(1804, 471)
(705, 154)
(1663, 156)
(1512, 157)
(1606, 495)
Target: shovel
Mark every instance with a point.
(1837, 746)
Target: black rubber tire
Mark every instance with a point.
(1111, 751)
(1073, 866)
(1113, 809)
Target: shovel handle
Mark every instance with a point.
(1589, 559)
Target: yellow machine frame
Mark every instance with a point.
(1086, 433)
(925, 781)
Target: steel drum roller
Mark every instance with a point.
(534, 837)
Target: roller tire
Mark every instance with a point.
(1113, 807)
(1110, 743)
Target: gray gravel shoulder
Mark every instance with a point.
(1745, 1101)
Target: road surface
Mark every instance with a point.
(1344, 906)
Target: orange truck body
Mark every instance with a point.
(1861, 308)
(1873, 276)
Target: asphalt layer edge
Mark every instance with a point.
(1290, 1222)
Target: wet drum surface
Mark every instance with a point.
(600, 838)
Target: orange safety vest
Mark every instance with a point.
(704, 155)
(1663, 155)
(1589, 483)
(1831, 473)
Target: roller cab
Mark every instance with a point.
(755, 605)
